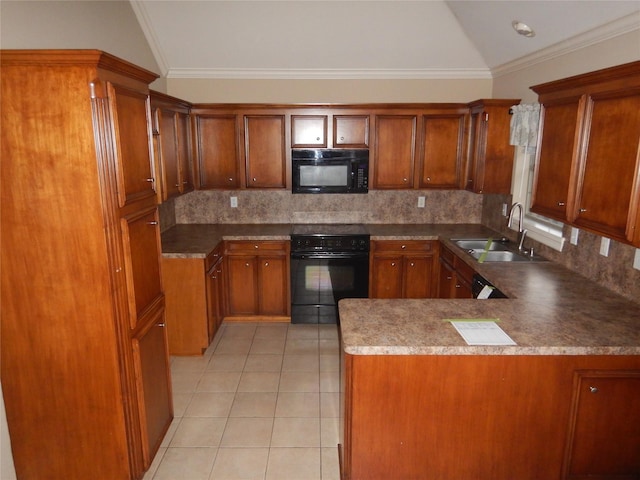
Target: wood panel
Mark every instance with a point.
(218, 157)
(441, 160)
(265, 152)
(395, 150)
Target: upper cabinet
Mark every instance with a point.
(442, 149)
(587, 171)
(264, 151)
(309, 131)
(347, 131)
(490, 155)
(394, 150)
(172, 145)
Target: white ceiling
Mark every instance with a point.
(368, 39)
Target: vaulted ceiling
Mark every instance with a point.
(368, 39)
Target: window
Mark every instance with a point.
(541, 229)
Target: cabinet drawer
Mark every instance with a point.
(446, 255)
(245, 247)
(463, 270)
(402, 246)
(212, 258)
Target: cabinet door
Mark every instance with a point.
(141, 242)
(214, 298)
(604, 433)
(273, 284)
(242, 285)
(217, 151)
(386, 276)
(560, 124)
(394, 156)
(185, 165)
(605, 194)
(153, 385)
(446, 281)
(441, 160)
(131, 114)
(168, 152)
(418, 272)
(351, 131)
(308, 131)
(265, 154)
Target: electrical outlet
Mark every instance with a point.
(234, 202)
(604, 246)
(574, 235)
(636, 259)
(420, 202)
(505, 210)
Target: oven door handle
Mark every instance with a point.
(329, 255)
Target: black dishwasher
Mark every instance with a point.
(482, 288)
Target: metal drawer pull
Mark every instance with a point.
(153, 222)
(150, 180)
(593, 389)
(561, 204)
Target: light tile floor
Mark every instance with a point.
(262, 403)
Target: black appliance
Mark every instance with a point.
(478, 284)
(328, 263)
(330, 171)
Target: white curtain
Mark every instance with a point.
(525, 119)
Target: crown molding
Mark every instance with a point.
(326, 74)
(145, 24)
(600, 34)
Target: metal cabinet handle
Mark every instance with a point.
(412, 264)
(393, 264)
(404, 180)
(255, 179)
(593, 389)
(153, 222)
(231, 179)
(458, 286)
(561, 204)
(256, 246)
(449, 278)
(342, 139)
(150, 180)
(246, 264)
(266, 264)
(318, 139)
(582, 210)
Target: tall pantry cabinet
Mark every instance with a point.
(85, 371)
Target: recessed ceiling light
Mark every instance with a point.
(523, 29)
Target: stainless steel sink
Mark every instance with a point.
(480, 244)
(500, 250)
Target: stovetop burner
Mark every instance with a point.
(332, 229)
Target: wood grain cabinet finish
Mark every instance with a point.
(217, 150)
(402, 269)
(455, 277)
(172, 145)
(264, 151)
(442, 150)
(84, 361)
(347, 130)
(597, 169)
(509, 414)
(309, 131)
(257, 280)
(394, 151)
(194, 293)
(603, 438)
(490, 164)
(351, 131)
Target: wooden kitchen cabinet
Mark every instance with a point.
(455, 277)
(257, 279)
(560, 121)
(402, 269)
(217, 150)
(172, 145)
(351, 131)
(195, 308)
(598, 171)
(442, 150)
(604, 426)
(264, 151)
(84, 362)
(490, 164)
(309, 131)
(394, 151)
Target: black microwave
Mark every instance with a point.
(324, 170)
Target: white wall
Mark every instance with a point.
(103, 25)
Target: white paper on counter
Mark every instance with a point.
(482, 332)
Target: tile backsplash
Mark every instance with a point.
(614, 272)
(379, 206)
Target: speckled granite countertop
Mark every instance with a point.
(550, 310)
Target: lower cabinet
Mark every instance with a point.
(155, 402)
(194, 291)
(604, 433)
(402, 269)
(455, 277)
(257, 280)
(498, 417)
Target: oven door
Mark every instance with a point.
(319, 280)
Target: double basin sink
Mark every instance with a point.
(499, 250)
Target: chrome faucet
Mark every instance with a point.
(522, 232)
